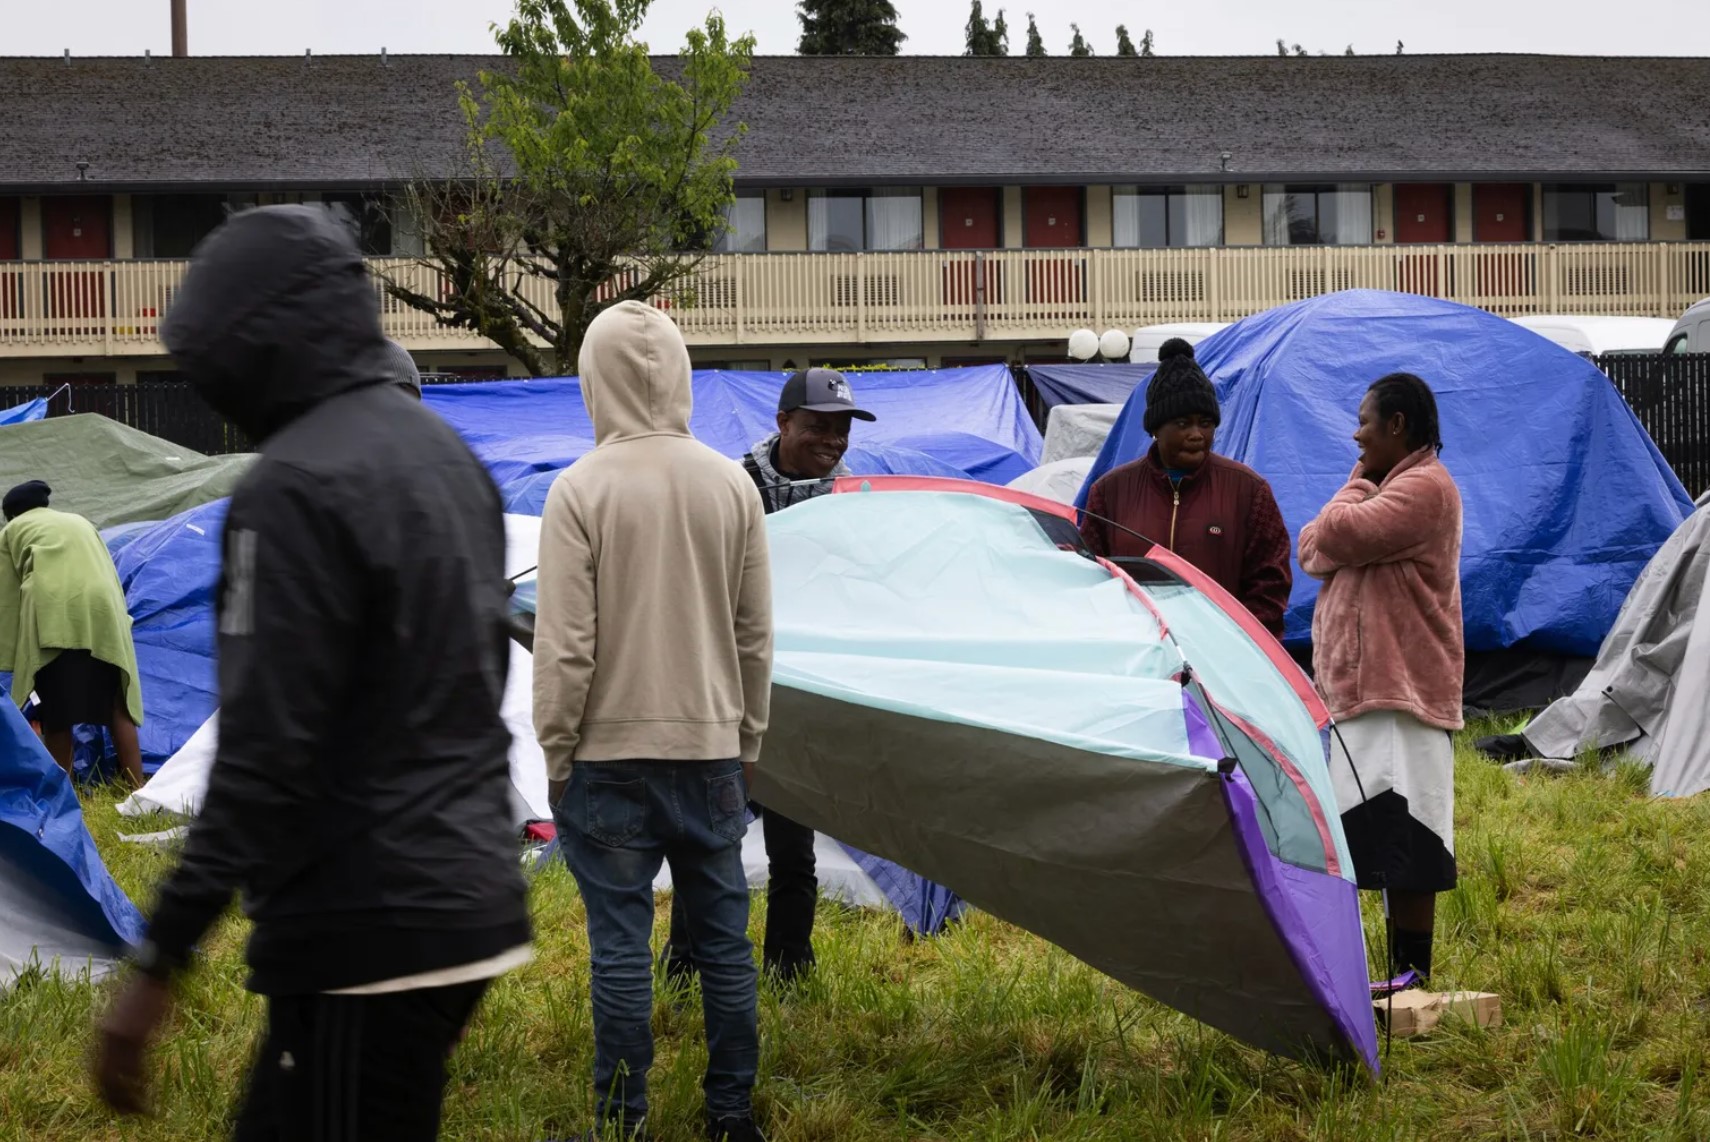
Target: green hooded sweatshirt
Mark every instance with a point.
(60, 591)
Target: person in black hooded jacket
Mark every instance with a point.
(360, 797)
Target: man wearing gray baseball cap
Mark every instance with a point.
(794, 464)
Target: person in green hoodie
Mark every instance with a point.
(64, 632)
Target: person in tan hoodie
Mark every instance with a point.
(652, 680)
(1389, 653)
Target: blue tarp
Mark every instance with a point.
(1565, 497)
(1087, 384)
(170, 571)
(24, 413)
(47, 851)
(937, 422)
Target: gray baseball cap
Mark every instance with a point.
(820, 390)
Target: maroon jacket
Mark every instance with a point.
(1226, 523)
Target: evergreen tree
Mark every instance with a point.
(1282, 48)
(1350, 50)
(1078, 47)
(1398, 46)
(1146, 44)
(1124, 45)
(1035, 42)
(849, 28)
(984, 39)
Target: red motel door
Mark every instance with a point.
(1502, 212)
(1424, 213)
(969, 218)
(77, 227)
(11, 282)
(1051, 219)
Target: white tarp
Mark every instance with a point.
(1075, 430)
(1059, 480)
(1649, 690)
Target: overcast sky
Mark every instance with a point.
(934, 27)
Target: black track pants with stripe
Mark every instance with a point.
(354, 1068)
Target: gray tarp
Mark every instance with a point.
(109, 473)
(1650, 687)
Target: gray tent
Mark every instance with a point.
(1649, 690)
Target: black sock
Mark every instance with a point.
(1410, 951)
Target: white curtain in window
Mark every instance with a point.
(1353, 216)
(1125, 217)
(834, 222)
(1201, 218)
(1279, 205)
(894, 220)
(1632, 212)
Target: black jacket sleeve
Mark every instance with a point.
(289, 613)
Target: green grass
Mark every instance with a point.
(1584, 903)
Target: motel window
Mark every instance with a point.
(371, 214)
(170, 225)
(886, 218)
(1147, 216)
(1597, 212)
(744, 224)
(1338, 215)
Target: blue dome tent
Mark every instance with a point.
(59, 908)
(1566, 498)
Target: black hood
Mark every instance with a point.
(277, 314)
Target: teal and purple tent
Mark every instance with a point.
(1115, 758)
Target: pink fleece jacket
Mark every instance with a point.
(1387, 634)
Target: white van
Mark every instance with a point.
(1143, 349)
(1596, 336)
(1691, 334)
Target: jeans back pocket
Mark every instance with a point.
(617, 810)
(727, 805)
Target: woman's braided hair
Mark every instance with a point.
(1414, 400)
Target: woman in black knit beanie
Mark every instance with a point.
(1218, 515)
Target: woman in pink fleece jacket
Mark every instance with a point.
(1389, 656)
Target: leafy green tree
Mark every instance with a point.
(1001, 30)
(1146, 44)
(1078, 47)
(1124, 45)
(1035, 42)
(849, 28)
(586, 176)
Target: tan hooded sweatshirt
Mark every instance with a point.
(653, 635)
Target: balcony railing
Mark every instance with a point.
(95, 308)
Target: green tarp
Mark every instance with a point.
(112, 474)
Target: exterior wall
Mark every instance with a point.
(30, 229)
(1383, 214)
(929, 217)
(1463, 212)
(1100, 216)
(786, 222)
(1662, 230)
(1537, 212)
(1243, 218)
(1012, 218)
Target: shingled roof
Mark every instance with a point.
(351, 121)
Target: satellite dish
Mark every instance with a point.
(1083, 344)
(1114, 345)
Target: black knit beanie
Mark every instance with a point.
(25, 497)
(1179, 388)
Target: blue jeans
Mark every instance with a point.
(617, 822)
